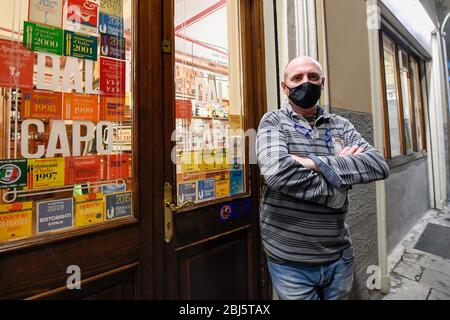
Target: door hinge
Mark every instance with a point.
(167, 46)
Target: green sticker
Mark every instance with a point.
(42, 38)
(13, 173)
(80, 46)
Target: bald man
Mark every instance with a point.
(310, 159)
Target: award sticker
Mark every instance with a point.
(236, 182)
(13, 173)
(89, 209)
(15, 62)
(113, 188)
(82, 15)
(42, 38)
(118, 205)
(206, 189)
(111, 25)
(39, 104)
(46, 173)
(48, 12)
(16, 220)
(82, 169)
(54, 215)
(80, 46)
(187, 192)
(112, 46)
(112, 77)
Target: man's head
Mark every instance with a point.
(303, 82)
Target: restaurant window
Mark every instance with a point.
(404, 112)
(66, 106)
(210, 153)
(418, 110)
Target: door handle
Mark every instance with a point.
(172, 207)
(169, 210)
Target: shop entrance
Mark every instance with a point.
(213, 77)
(127, 132)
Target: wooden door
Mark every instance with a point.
(214, 96)
(108, 253)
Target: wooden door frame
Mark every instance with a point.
(149, 76)
(155, 75)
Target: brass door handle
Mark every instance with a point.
(172, 207)
(169, 211)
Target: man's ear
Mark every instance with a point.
(285, 88)
(323, 82)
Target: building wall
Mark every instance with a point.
(348, 55)
(362, 217)
(408, 199)
(350, 97)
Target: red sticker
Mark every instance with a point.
(82, 169)
(41, 104)
(81, 107)
(116, 166)
(84, 12)
(112, 77)
(16, 206)
(114, 109)
(16, 65)
(92, 197)
(183, 109)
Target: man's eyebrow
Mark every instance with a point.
(297, 74)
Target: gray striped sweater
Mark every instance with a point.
(303, 212)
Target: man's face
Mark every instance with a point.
(300, 72)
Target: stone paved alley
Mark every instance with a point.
(419, 275)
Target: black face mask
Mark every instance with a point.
(306, 95)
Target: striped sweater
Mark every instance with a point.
(303, 212)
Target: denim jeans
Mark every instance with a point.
(332, 281)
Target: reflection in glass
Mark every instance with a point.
(392, 96)
(418, 106)
(406, 96)
(209, 117)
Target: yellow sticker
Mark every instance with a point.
(89, 209)
(112, 7)
(190, 161)
(208, 161)
(46, 173)
(223, 185)
(235, 121)
(222, 162)
(16, 220)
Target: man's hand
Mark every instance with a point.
(350, 151)
(306, 162)
(309, 164)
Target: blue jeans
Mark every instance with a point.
(332, 281)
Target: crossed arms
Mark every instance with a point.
(307, 177)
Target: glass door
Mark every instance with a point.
(210, 154)
(211, 204)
